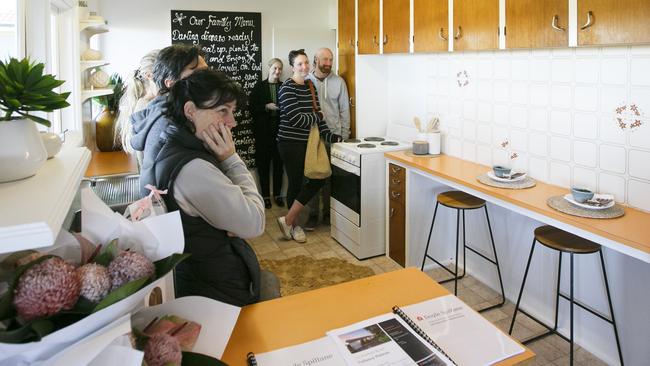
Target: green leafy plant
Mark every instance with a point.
(112, 101)
(24, 89)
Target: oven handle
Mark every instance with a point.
(345, 166)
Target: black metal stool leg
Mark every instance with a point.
(571, 314)
(496, 261)
(464, 247)
(523, 283)
(457, 240)
(426, 250)
(557, 289)
(611, 308)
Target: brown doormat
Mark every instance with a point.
(302, 273)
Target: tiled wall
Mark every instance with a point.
(556, 108)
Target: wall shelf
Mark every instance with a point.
(33, 209)
(85, 65)
(89, 93)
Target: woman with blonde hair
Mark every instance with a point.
(140, 90)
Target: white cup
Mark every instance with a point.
(434, 143)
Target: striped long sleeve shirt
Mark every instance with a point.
(297, 114)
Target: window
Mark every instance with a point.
(9, 29)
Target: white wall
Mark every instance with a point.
(137, 27)
(557, 108)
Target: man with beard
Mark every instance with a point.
(334, 102)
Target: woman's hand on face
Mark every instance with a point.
(219, 141)
(271, 107)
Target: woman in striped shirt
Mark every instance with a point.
(297, 115)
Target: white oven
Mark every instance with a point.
(357, 212)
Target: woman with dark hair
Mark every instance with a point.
(297, 114)
(212, 189)
(266, 116)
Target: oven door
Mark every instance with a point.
(346, 190)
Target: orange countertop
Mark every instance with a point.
(631, 230)
(112, 163)
(291, 320)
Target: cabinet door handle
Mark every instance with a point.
(458, 33)
(385, 38)
(555, 26)
(374, 41)
(441, 34)
(590, 22)
(392, 212)
(352, 42)
(395, 194)
(351, 102)
(396, 169)
(396, 181)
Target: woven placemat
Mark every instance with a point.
(562, 205)
(527, 182)
(410, 153)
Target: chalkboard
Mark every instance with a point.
(232, 42)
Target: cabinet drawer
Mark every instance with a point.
(396, 171)
(397, 232)
(396, 184)
(396, 195)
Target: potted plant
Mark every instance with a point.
(24, 89)
(105, 120)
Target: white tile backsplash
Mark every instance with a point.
(557, 109)
(639, 164)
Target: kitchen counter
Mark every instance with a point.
(629, 234)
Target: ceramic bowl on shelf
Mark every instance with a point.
(581, 194)
(501, 171)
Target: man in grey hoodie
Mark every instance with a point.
(173, 63)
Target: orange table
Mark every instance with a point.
(296, 319)
(114, 163)
(629, 234)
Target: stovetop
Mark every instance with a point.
(351, 149)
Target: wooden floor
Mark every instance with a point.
(551, 350)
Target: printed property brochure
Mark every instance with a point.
(321, 352)
(467, 337)
(385, 340)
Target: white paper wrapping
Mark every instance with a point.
(158, 237)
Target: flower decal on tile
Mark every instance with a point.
(629, 117)
(462, 78)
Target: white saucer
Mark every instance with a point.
(569, 198)
(491, 175)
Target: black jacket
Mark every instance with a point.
(265, 124)
(221, 267)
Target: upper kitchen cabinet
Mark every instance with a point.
(537, 24)
(346, 27)
(396, 21)
(476, 25)
(430, 25)
(368, 23)
(347, 72)
(605, 22)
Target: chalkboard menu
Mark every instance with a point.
(232, 42)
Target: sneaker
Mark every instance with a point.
(298, 234)
(311, 223)
(267, 203)
(286, 229)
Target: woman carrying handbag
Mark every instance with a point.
(299, 111)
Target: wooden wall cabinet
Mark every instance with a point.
(397, 213)
(396, 21)
(605, 22)
(537, 24)
(368, 24)
(347, 69)
(476, 25)
(430, 25)
(346, 22)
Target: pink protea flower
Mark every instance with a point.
(129, 266)
(162, 349)
(94, 281)
(46, 289)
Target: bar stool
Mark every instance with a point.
(461, 201)
(564, 242)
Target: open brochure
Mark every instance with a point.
(321, 352)
(385, 340)
(467, 337)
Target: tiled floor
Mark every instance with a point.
(550, 350)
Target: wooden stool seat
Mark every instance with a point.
(565, 242)
(460, 200)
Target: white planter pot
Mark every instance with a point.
(22, 151)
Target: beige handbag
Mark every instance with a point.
(317, 163)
